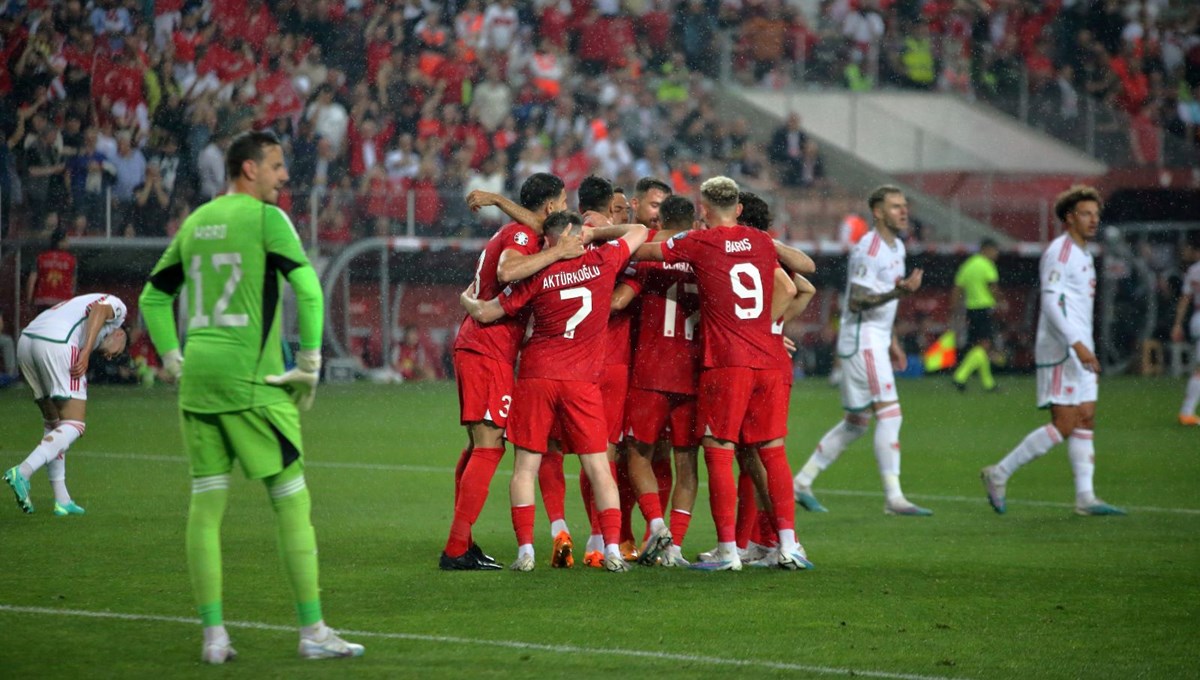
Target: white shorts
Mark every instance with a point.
(1066, 384)
(47, 368)
(867, 379)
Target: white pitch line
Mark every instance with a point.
(390, 467)
(507, 644)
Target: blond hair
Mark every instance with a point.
(720, 192)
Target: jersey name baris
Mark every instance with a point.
(875, 266)
(738, 246)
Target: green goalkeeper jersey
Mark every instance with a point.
(231, 256)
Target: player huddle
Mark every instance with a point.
(708, 367)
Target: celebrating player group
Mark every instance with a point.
(707, 298)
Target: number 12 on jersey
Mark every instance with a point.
(219, 317)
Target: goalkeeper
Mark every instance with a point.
(236, 402)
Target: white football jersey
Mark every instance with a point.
(874, 265)
(65, 322)
(1191, 288)
(1068, 275)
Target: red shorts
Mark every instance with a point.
(570, 409)
(650, 412)
(614, 385)
(743, 405)
(484, 388)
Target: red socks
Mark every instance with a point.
(553, 485)
(610, 525)
(522, 520)
(722, 491)
(651, 510)
(662, 473)
(747, 508)
(680, 519)
(472, 492)
(779, 486)
(628, 498)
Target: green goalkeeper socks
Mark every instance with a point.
(297, 540)
(209, 495)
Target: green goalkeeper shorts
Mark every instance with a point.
(264, 440)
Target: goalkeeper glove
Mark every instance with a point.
(301, 380)
(173, 363)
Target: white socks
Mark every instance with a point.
(1191, 397)
(887, 450)
(1082, 453)
(57, 471)
(53, 444)
(657, 524)
(831, 446)
(1035, 445)
(557, 526)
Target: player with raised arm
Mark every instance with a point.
(743, 398)
(868, 347)
(558, 387)
(53, 352)
(1189, 297)
(663, 385)
(236, 401)
(485, 354)
(1067, 368)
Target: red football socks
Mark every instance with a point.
(722, 491)
(472, 494)
(779, 486)
(522, 520)
(553, 485)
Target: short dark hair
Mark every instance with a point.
(755, 211)
(677, 212)
(645, 184)
(539, 188)
(595, 193)
(988, 242)
(1065, 202)
(558, 222)
(57, 237)
(248, 146)
(881, 193)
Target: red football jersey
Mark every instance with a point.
(500, 340)
(667, 356)
(570, 301)
(618, 340)
(735, 269)
(56, 278)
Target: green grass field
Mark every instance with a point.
(1038, 592)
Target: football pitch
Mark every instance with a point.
(1038, 592)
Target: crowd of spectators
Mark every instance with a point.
(1043, 59)
(115, 117)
